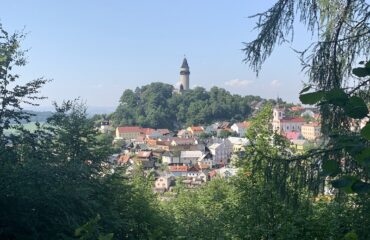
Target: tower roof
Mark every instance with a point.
(184, 64)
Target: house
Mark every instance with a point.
(294, 135)
(311, 131)
(298, 144)
(163, 183)
(281, 124)
(240, 128)
(190, 157)
(205, 161)
(195, 131)
(238, 143)
(296, 108)
(183, 133)
(308, 112)
(128, 133)
(178, 171)
(170, 158)
(220, 153)
(184, 144)
(145, 159)
(123, 159)
(104, 126)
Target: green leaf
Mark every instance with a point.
(330, 167)
(361, 72)
(367, 65)
(108, 236)
(365, 131)
(337, 97)
(345, 183)
(356, 108)
(361, 187)
(363, 157)
(305, 89)
(311, 98)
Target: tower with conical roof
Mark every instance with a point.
(184, 75)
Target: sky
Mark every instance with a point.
(96, 49)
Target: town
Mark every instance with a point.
(197, 154)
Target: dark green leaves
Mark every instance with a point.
(305, 89)
(356, 108)
(361, 187)
(362, 71)
(363, 157)
(311, 98)
(337, 97)
(365, 131)
(351, 184)
(330, 167)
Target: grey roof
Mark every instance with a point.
(191, 154)
(184, 64)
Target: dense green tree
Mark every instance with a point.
(155, 105)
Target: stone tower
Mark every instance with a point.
(184, 75)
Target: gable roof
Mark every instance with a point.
(129, 129)
(123, 159)
(144, 154)
(191, 154)
(197, 129)
(244, 124)
(178, 168)
(294, 119)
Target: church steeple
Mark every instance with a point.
(184, 74)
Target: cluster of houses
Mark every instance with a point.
(182, 156)
(301, 129)
(197, 154)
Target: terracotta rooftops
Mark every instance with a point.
(295, 119)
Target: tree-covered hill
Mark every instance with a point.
(156, 105)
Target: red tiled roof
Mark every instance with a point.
(147, 131)
(123, 159)
(178, 168)
(296, 119)
(292, 135)
(313, 124)
(196, 129)
(144, 154)
(244, 124)
(129, 129)
(296, 108)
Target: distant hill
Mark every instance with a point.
(157, 105)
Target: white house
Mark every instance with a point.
(220, 153)
(240, 128)
(163, 183)
(170, 158)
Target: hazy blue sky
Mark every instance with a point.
(97, 49)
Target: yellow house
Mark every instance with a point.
(311, 131)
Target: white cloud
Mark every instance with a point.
(275, 83)
(238, 83)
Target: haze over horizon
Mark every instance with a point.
(95, 50)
